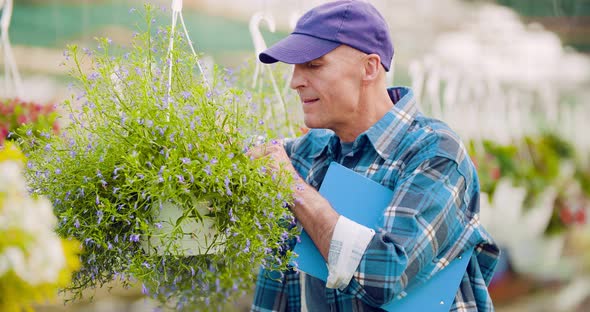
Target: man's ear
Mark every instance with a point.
(372, 67)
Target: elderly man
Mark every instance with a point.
(341, 51)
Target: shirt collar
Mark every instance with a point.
(387, 133)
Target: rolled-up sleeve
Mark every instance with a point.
(349, 242)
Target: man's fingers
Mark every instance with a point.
(265, 149)
(257, 151)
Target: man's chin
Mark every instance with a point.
(311, 125)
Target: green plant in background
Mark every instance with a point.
(14, 113)
(136, 146)
(537, 163)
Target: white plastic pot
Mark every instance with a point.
(199, 237)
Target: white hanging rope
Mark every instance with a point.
(259, 46)
(176, 13)
(10, 69)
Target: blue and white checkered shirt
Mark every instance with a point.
(432, 218)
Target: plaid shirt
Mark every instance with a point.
(432, 218)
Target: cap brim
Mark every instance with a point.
(297, 49)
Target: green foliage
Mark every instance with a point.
(133, 145)
(537, 163)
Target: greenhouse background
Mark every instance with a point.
(512, 77)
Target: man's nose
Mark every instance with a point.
(297, 79)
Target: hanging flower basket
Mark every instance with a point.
(151, 175)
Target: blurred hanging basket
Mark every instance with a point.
(533, 193)
(34, 261)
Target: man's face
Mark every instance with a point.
(329, 88)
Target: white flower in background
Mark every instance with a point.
(39, 258)
(519, 230)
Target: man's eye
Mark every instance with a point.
(313, 65)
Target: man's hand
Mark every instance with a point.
(275, 151)
(311, 209)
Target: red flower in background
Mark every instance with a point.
(15, 113)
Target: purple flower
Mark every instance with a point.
(231, 216)
(185, 94)
(158, 225)
(109, 246)
(93, 76)
(185, 160)
(207, 170)
(100, 215)
(144, 290)
(134, 238)
(247, 248)
(77, 224)
(97, 200)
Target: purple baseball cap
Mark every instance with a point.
(322, 29)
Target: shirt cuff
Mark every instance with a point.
(349, 242)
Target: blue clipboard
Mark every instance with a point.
(346, 191)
